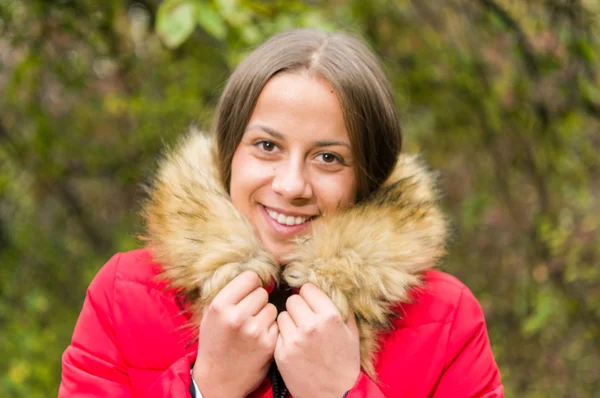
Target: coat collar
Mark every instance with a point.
(366, 258)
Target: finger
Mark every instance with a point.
(278, 346)
(299, 310)
(254, 302)
(239, 288)
(266, 317)
(286, 324)
(264, 325)
(316, 299)
(273, 333)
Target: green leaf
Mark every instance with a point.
(175, 21)
(227, 6)
(546, 306)
(251, 34)
(211, 21)
(586, 50)
(235, 13)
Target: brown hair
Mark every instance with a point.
(354, 72)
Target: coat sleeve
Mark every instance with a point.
(364, 388)
(93, 366)
(470, 370)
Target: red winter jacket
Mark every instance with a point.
(371, 259)
(129, 342)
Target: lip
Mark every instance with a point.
(286, 230)
(288, 213)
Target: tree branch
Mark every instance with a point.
(526, 51)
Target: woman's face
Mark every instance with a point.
(294, 161)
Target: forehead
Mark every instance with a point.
(300, 104)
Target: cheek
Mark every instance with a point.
(337, 192)
(237, 189)
(247, 177)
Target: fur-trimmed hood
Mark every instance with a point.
(366, 258)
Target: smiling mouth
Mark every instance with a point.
(287, 220)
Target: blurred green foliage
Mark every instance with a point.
(502, 96)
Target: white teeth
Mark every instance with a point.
(286, 220)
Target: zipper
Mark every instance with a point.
(278, 385)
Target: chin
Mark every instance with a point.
(280, 252)
(281, 257)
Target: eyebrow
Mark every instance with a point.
(268, 130)
(280, 136)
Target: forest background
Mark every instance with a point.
(501, 96)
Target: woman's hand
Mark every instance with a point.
(317, 353)
(238, 333)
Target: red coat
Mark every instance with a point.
(129, 342)
(371, 259)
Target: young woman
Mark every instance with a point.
(290, 250)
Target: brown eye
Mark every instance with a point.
(329, 158)
(268, 146)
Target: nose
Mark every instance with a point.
(291, 182)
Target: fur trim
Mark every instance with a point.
(366, 258)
